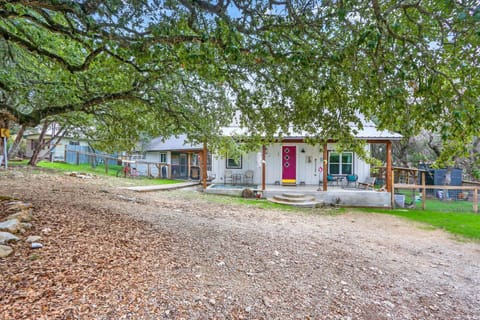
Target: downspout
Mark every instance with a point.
(264, 151)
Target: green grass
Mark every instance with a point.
(264, 204)
(438, 205)
(463, 224)
(99, 170)
(259, 203)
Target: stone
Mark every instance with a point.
(36, 245)
(26, 225)
(12, 225)
(22, 216)
(46, 230)
(18, 206)
(6, 237)
(31, 239)
(5, 251)
(267, 302)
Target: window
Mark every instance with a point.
(74, 143)
(163, 157)
(234, 163)
(340, 163)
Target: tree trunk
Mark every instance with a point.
(16, 144)
(41, 143)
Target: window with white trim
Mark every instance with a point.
(340, 163)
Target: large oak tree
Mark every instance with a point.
(165, 67)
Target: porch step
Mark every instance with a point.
(292, 195)
(295, 199)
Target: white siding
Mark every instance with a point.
(309, 164)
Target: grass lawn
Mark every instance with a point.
(437, 205)
(99, 170)
(458, 223)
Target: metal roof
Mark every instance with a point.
(369, 132)
(172, 144)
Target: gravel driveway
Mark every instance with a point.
(114, 254)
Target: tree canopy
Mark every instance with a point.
(183, 66)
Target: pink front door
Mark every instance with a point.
(289, 165)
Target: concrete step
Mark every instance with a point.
(305, 204)
(286, 198)
(293, 195)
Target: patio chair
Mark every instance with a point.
(332, 180)
(228, 176)
(368, 183)
(248, 177)
(211, 176)
(351, 180)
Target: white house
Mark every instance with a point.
(290, 161)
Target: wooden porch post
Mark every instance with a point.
(189, 167)
(424, 192)
(475, 200)
(388, 174)
(204, 166)
(325, 167)
(264, 151)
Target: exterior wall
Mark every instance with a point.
(309, 168)
(250, 161)
(59, 150)
(58, 153)
(153, 156)
(29, 149)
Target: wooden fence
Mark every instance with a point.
(163, 170)
(466, 192)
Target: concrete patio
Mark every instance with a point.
(350, 197)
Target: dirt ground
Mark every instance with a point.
(114, 254)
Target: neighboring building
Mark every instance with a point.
(59, 147)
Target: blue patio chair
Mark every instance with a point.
(331, 180)
(351, 180)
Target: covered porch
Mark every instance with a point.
(319, 166)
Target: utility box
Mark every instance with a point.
(437, 177)
(400, 201)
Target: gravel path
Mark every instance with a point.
(115, 254)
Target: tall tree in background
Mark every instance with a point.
(166, 67)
